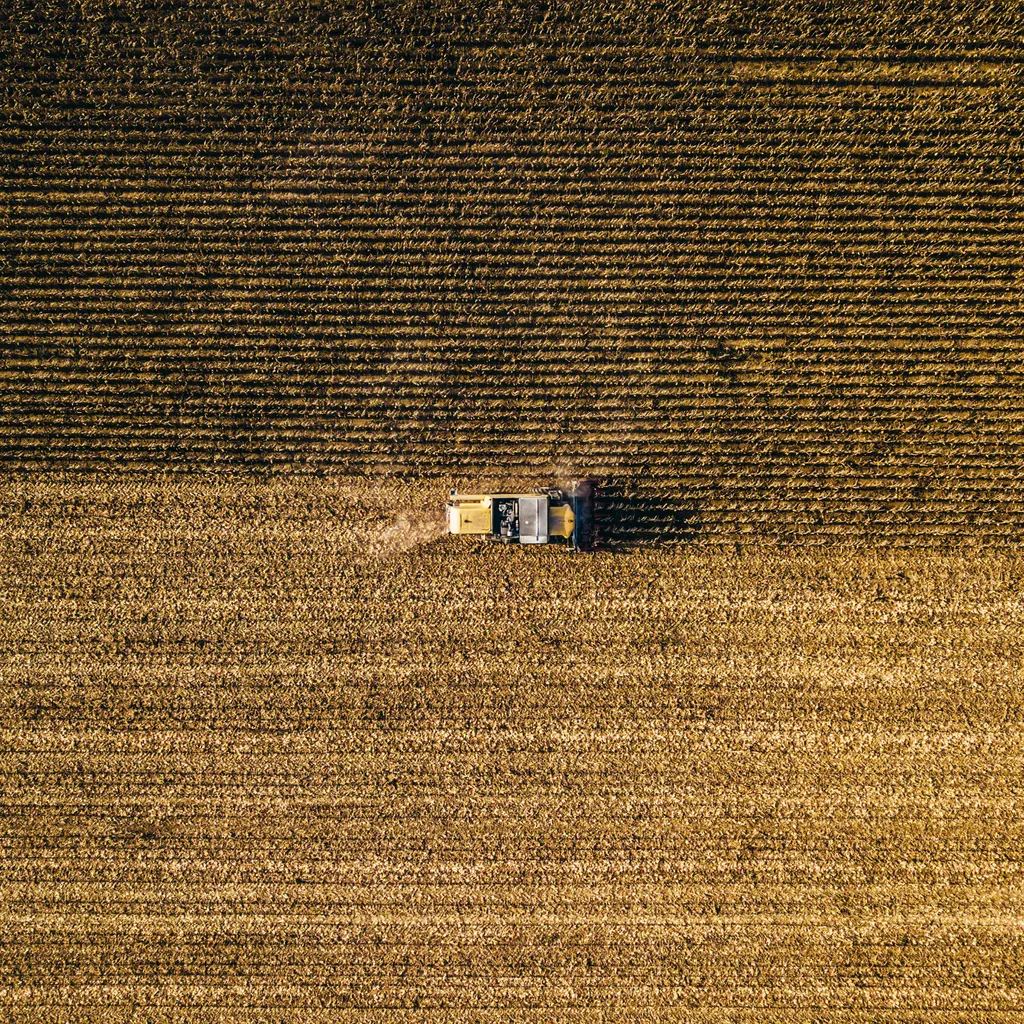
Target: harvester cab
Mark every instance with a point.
(553, 514)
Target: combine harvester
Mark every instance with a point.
(539, 517)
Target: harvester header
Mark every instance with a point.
(550, 515)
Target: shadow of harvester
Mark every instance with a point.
(624, 518)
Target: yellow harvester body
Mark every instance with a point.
(472, 513)
(534, 517)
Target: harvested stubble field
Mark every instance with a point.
(281, 745)
(274, 747)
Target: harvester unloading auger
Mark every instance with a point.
(552, 514)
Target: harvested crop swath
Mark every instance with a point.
(256, 753)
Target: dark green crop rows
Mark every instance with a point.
(761, 263)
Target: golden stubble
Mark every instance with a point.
(282, 743)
